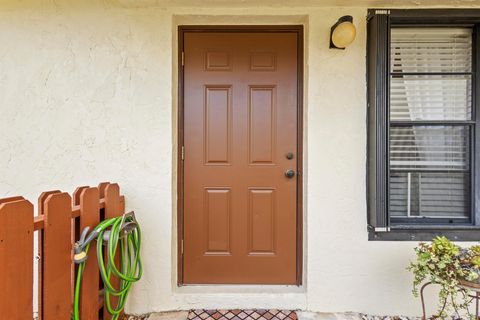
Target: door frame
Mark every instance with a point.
(299, 30)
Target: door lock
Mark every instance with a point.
(290, 173)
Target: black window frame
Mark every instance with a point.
(379, 23)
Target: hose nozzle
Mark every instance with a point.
(129, 223)
(80, 255)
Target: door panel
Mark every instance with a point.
(240, 121)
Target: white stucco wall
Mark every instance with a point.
(87, 94)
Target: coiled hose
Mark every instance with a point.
(126, 231)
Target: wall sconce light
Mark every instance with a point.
(342, 33)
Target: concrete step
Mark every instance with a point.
(175, 315)
(303, 315)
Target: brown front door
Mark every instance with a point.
(240, 139)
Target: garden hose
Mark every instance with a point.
(122, 230)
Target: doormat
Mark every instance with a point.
(237, 314)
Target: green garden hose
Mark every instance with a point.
(126, 231)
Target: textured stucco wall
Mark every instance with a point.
(87, 94)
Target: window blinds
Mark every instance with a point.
(430, 87)
(431, 50)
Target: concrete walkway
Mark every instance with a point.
(182, 315)
(302, 315)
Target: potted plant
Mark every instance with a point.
(456, 270)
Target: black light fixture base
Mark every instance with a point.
(340, 20)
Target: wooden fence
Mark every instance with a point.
(60, 219)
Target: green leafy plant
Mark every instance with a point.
(446, 264)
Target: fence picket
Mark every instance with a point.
(57, 249)
(41, 206)
(75, 234)
(76, 195)
(90, 216)
(101, 188)
(16, 256)
(112, 210)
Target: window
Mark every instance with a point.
(422, 124)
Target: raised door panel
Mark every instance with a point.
(217, 210)
(262, 124)
(217, 124)
(261, 222)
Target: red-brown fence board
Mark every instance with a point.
(90, 217)
(58, 223)
(102, 186)
(16, 260)
(57, 248)
(76, 195)
(112, 210)
(41, 206)
(75, 232)
(42, 200)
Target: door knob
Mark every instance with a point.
(289, 173)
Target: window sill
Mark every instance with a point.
(410, 233)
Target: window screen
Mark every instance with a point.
(431, 128)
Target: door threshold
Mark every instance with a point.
(241, 297)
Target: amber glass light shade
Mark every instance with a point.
(342, 33)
